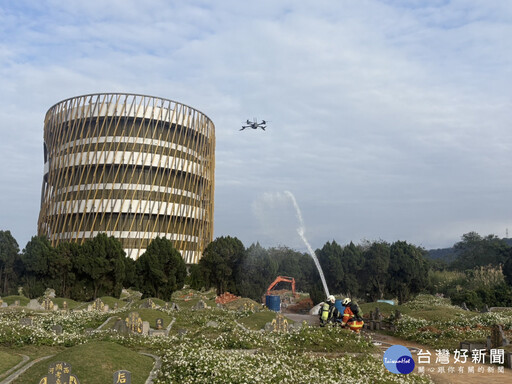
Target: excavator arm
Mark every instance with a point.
(279, 279)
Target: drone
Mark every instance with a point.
(254, 124)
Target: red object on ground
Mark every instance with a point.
(226, 297)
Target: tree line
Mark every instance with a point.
(477, 271)
(480, 273)
(98, 267)
(369, 271)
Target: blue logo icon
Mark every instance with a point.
(398, 359)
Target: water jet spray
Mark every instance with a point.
(301, 230)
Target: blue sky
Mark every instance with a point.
(388, 119)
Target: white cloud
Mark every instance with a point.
(389, 119)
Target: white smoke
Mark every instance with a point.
(278, 222)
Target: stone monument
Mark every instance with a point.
(134, 323)
(59, 373)
(122, 377)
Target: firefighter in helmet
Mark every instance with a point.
(328, 312)
(352, 316)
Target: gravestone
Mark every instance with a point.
(65, 305)
(200, 305)
(280, 324)
(166, 306)
(122, 377)
(134, 323)
(16, 303)
(175, 307)
(508, 359)
(498, 338)
(26, 321)
(145, 327)
(158, 332)
(4, 305)
(464, 306)
(121, 327)
(34, 304)
(150, 304)
(59, 373)
(485, 309)
(115, 308)
(159, 323)
(98, 305)
(47, 304)
(57, 328)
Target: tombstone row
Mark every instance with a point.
(497, 340)
(378, 322)
(60, 373)
(134, 324)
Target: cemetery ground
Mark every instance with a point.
(198, 341)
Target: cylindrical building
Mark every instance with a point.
(132, 166)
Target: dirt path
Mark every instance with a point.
(439, 373)
(448, 373)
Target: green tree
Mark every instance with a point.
(195, 278)
(160, 270)
(220, 258)
(9, 252)
(507, 267)
(352, 262)
(130, 279)
(330, 258)
(255, 272)
(101, 262)
(475, 251)
(302, 268)
(375, 272)
(61, 268)
(408, 270)
(36, 260)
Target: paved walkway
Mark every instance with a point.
(19, 371)
(24, 359)
(156, 368)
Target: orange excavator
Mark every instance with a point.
(285, 279)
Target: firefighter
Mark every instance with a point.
(352, 316)
(329, 313)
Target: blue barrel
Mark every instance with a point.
(273, 303)
(339, 306)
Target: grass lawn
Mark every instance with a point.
(8, 360)
(31, 351)
(60, 302)
(111, 301)
(11, 299)
(257, 320)
(95, 363)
